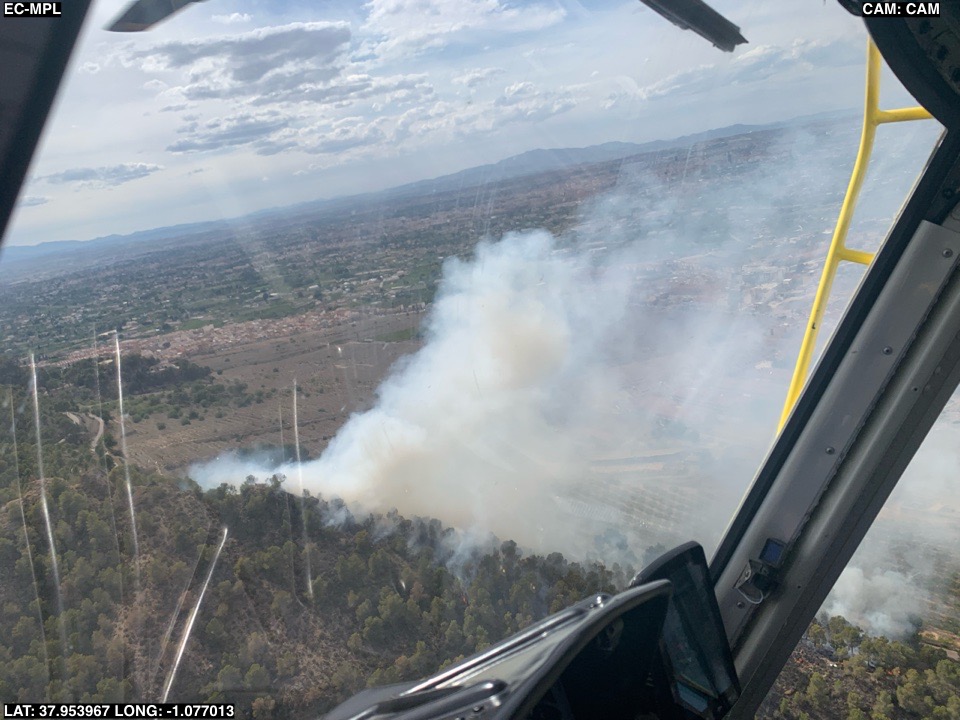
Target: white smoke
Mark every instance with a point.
(651, 330)
(462, 430)
(891, 581)
(528, 374)
(880, 601)
(232, 468)
(514, 393)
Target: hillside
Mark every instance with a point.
(307, 604)
(57, 256)
(390, 598)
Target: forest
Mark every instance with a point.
(306, 603)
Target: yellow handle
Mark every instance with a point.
(838, 251)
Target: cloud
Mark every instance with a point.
(524, 101)
(293, 94)
(412, 25)
(251, 56)
(478, 77)
(517, 92)
(757, 65)
(330, 137)
(289, 64)
(342, 90)
(102, 177)
(232, 131)
(265, 65)
(272, 132)
(521, 102)
(277, 143)
(288, 85)
(347, 134)
(32, 200)
(232, 18)
(285, 118)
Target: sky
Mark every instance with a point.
(234, 106)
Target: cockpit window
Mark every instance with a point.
(341, 341)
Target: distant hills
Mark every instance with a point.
(533, 162)
(17, 259)
(43, 250)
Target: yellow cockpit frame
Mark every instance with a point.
(838, 251)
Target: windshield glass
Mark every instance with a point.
(887, 639)
(343, 340)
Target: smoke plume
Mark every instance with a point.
(901, 572)
(614, 388)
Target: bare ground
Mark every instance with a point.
(338, 370)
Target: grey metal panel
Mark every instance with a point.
(22, 40)
(19, 67)
(33, 55)
(911, 404)
(847, 404)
